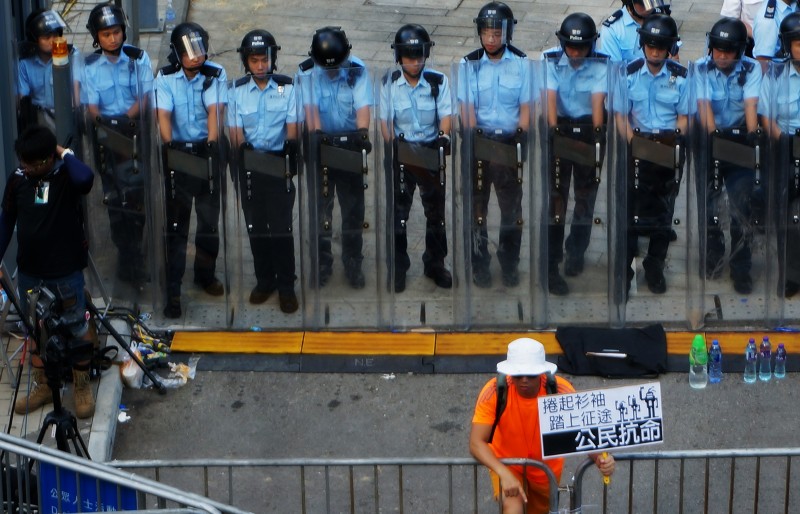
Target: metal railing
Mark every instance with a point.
(22, 484)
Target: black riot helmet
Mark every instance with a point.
(649, 5)
(329, 47)
(789, 31)
(189, 38)
(577, 29)
(104, 16)
(658, 30)
(43, 22)
(413, 41)
(728, 34)
(496, 15)
(259, 42)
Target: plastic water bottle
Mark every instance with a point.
(698, 360)
(715, 363)
(765, 360)
(169, 17)
(750, 356)
(780, 361)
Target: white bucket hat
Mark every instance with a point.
(525, 357)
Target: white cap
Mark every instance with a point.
(525, 357)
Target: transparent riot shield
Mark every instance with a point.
(782, 117)
(654, 270)
(192, 170)
(340, 268)
(729, 171)
(495, 105)
(116, 103)
(575, 249)
(415, 127)
(263, 241)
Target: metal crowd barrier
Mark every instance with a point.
(25, 489)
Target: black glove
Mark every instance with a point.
(521, 137)
(756, 138)
(290, 148)
(443, 141)
(362, 141)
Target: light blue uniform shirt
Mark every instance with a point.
(115, 86)
(780, 97)
(496, 89)
(727, 93)
(337, 97)
(263, 113)
(766, 30)
(574, 86)
(412, 109)
(655, 101)
(619, 40)
(188, 103)
(35, 78)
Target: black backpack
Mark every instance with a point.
(550, 387)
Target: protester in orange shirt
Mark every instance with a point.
(517, 433)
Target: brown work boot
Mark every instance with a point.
(82, 393)
(39, 394)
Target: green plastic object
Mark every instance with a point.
(698, 354)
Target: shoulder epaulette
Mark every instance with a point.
(307, 64)
(169, 69)
(554, 54)
(210, 71)
(133, 52)
(748, 66)
(769, 12)
(635, 66)
(242, 81)
(392, 77)
(353, 73)
(516, 51)
(475, 55)
(282, 80)
(435, 79)
(599, 55)
(93, 57)
(677, 69)
(613, 18)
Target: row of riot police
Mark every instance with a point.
(573, 128)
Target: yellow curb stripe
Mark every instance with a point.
(238, 342)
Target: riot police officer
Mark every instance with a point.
(117, 80)
(416, 114)
(728, 87)
(766, 28)
(337, 97)
(653, 183)
(498, 118)
(262, 117)
(576, 91)
(780, 112)
(619, 37)
(190, 99)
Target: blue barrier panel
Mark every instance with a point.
(55, 483)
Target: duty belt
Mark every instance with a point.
(119, 135)
(192, 158)
(728, 145)
(499, 148)
(339, 151)
(420, 155)
(567, 145)
(265, 163)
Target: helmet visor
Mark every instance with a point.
(192, 45)
(649, 5)
(493, 31)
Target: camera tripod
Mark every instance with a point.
(60, 419)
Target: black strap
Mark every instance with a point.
(550, 387)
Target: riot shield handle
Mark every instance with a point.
(757, 178)
(442, 162)
(677, 156)
(519, 143)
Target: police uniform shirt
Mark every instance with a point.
(767, 25)
(727, 93)
(188, 102)
(780, 98)
(262, 114)
(337, 97)
(574, 86)
(114, 86)
(413, 109)
(35, 78)
(497, 89)
(655, 101)
(619, 39)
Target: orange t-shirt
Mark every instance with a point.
(517, 436)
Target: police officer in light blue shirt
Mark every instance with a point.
(337, 97)
(577, 86)
(494, 93)
(656, 108)
(766, 25)
(117, 80)
(416, 112)
(190, 99)
(619, 38)
(262, 119)
(727, 86)
(779, 108)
